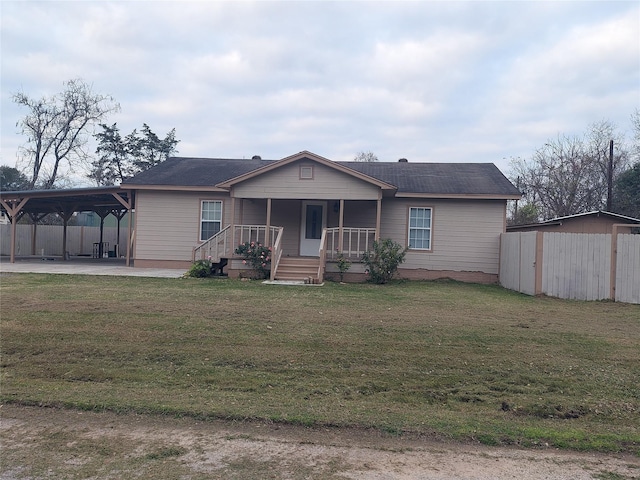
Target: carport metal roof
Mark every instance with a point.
(65, 202)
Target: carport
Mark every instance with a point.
(65, 202)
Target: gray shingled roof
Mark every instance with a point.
(439, 178)
(419, 178)
(195, 172)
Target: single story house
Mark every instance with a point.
(589, 222)
(308, 208)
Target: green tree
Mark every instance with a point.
(525, 215)
(150, 150)
(626, 196)
(121, 158)
(11, 179)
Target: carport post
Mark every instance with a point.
(14, 221)
(14, 211)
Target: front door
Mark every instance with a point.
(314, 219)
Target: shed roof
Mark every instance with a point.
(616, 217)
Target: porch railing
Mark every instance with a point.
(355, 241)
(254, 233)
(224, 243)
(216, 247)
(276, 252)
(323, 255)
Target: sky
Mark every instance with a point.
(430, 81)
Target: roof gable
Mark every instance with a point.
(305, 155)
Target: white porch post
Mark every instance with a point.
(233, 221)
(267, 231)
(378, 216)
(341, 227)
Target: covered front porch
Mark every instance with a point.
(303, 235)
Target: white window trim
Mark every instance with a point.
(409, 228)
(208, 221)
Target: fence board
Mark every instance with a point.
(628, 269)
(80, 240)
(517, 261)
(510, 261)
(576, 266)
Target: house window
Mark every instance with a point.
(210, 218)
(306, 172)
(420, 228)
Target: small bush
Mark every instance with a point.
(256, 256)
(200, 269)
(344, 264)
(382, 262)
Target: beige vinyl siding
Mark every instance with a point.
(287, 214)
(253, 212)
(284, 213)
(168, 223)
(285, 182)
(465, 234)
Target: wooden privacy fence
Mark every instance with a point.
(576, 266)
(48, 239)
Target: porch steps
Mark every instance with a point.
(298, 268)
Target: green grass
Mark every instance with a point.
(444, 359)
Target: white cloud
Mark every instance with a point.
(430, 81)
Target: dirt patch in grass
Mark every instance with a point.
(53, 443)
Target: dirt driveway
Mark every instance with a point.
(50, 443)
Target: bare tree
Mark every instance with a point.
(570, 175)
(635, 125)
(58, 128)
(597, 142)
(367, 156)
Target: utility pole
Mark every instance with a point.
(610, 178)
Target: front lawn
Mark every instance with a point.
(444, 359)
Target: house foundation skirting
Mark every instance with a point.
(421, 274)
(469, 277)
(349, 277)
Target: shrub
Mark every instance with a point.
(257, 257)
(344, 264)
(382, 262)
(200, 269)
